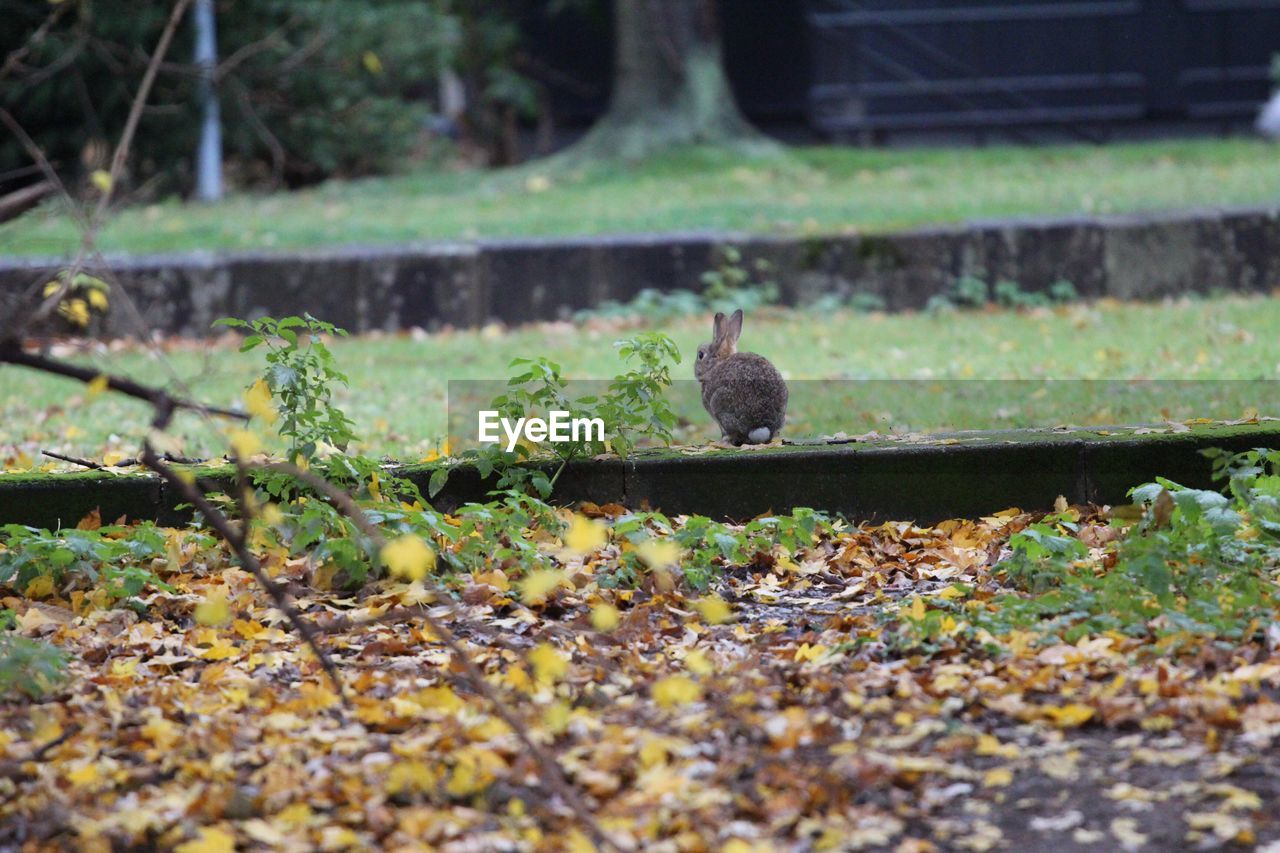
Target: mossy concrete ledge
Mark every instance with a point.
(922, 479)
(1148, 256)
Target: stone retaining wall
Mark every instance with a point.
(956, 476)
(516, 281)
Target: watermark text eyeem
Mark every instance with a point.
(558, 427)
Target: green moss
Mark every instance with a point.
(929, 477)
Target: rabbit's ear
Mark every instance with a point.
(730, 331)
(716, 325)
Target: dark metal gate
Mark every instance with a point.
(882, 65)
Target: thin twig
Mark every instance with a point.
(139, 101)
(16, 56)
(12, 353)
(74, 460)
(90, 230)
(341, 500)
(551, 770)
(14, 769)
(238, 543)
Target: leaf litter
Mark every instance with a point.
(785, 704)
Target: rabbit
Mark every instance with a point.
(742, 391)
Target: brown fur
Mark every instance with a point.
(742, 391)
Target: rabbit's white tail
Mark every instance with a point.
(760, 435)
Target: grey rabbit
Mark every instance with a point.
(742, 391)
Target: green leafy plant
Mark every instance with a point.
(859, 300)
(632, 408)
(112, 558)
(301, 374)
(709, 547)
(732, 283)
(1041, 550)
(1198, 563)
(650, 304)
(971, 292)
(29, 667)
(1063, 292)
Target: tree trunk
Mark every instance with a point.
(669, 85)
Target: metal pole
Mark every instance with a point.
(209, 154)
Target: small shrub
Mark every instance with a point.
(1063, 292)
(30, 668)
(859, 300)
(38, 563)
(970, 292)
(301, 374)
(733, 284)
(1008, 294)
(633, 407)
(939, 304)
(655, 306)
(1197, 565)
(730, 284)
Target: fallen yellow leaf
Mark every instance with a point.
(585, 535)
(408, 557)
(214, 611)
(548, 664)
(714, 609)
(605, 617)
(210, 840)
(676, 690)
(535, 588)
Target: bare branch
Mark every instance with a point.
(259, 127)
(16, 56)
(12, 353)
(547, 763)
(135, 111)
(18, 202)
(74, 460)
(17, 770)
(39, 75)
(238, 543)
(94, 220)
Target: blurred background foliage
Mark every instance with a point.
(310, 89)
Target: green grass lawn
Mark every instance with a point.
(906, 372)
(806, 189)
